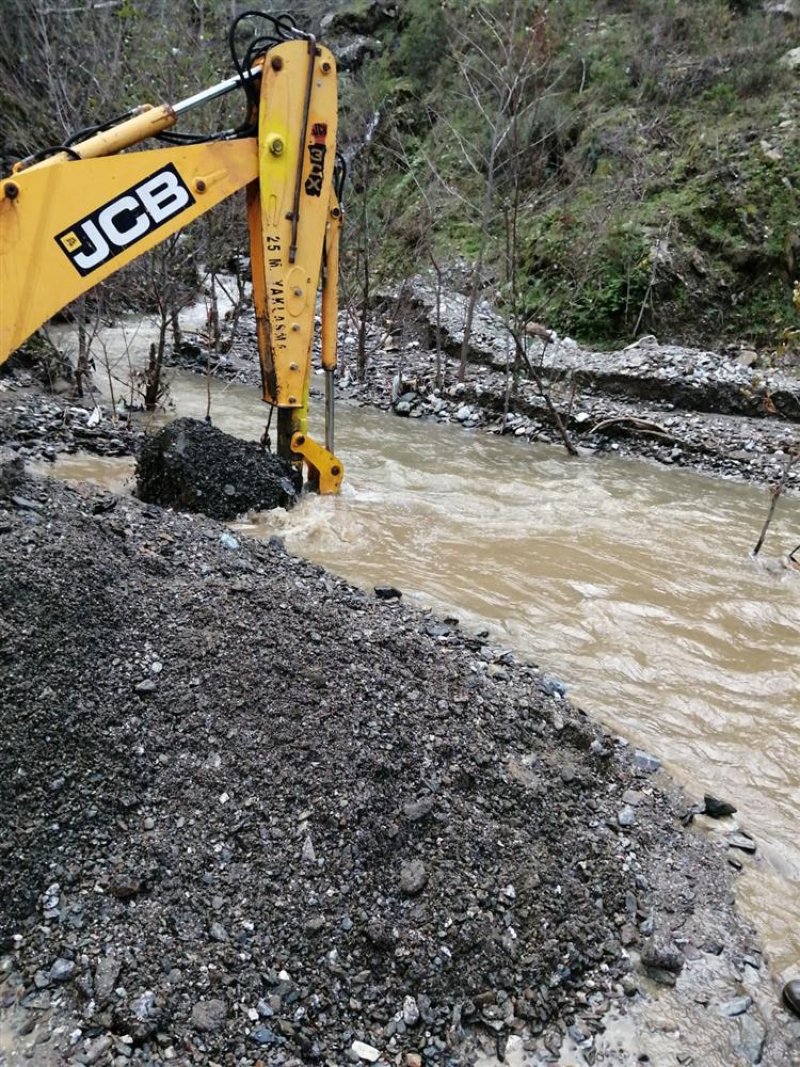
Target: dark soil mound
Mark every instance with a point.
(192, 466)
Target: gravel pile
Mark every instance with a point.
(249, 814)
(193, 466)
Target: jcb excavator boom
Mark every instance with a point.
(72, 216)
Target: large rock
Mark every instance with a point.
(191, 466)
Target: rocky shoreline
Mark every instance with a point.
(723, 414)
(252, 815)
(711, 412)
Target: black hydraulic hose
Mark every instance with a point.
(53, 150)
(339, 176)
(312, 53)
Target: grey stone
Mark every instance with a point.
(124, 886)
(627, 816)
(662, 961)
(752, 1037)
(791, 996)
(413, 877)
(148, 685)
(24, 504)
(737, 1006)
(387, 592)
(410, 1012)
(62, 970)
(716, 808)
(365, 1052)
(106, 973)
(95, 1050)
(144, 1007)
(629, 986)
(418, 809)
(263, 1036)
(628, 935)
(217, 932)
(50, 896)
(209, 1015)
(742, 841)
(644, 762)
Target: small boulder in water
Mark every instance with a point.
(716, 808)
(791, 996)
(192, 466)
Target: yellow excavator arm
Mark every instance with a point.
(72, 219)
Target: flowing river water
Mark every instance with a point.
(633, 584)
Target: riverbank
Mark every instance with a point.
(235, 853)
(728, 414)
(721, 414)
(666, 868)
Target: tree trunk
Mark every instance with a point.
(440, 368)
(477, 269)
(155, 363)
(83, 365)
(361, 351)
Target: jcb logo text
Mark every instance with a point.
(109, 229)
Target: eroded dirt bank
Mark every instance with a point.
(251, 814)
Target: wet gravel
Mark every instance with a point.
(250, 814)
(193, 466)
(41, 425)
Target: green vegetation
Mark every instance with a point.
(648, 164)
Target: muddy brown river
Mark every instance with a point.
(632, 584)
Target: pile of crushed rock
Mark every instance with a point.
(250, 814)
(192, 466)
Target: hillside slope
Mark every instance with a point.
(621, 168)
